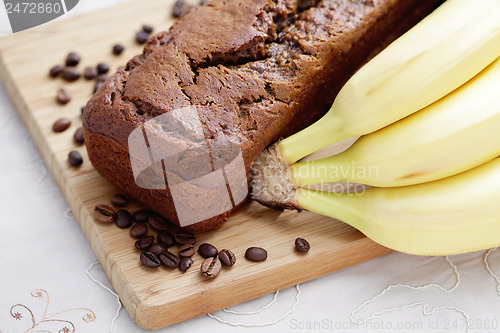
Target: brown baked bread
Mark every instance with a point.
(257, 70)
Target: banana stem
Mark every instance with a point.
(318, 135)
(341, 206)
(337, 168)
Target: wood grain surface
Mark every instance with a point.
(156, 298)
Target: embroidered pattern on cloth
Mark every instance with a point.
(23, 313)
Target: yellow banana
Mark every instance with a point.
(452, 135)
(454, 215)
(435, 57)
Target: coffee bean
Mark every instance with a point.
(207, 250)
(150, 260)
(75, 159)
(169, 259)
(302, 245)
(185, 237)
(72, 59)
(147, 28)
(119, 200)
(144, 242)
(102, 68)
(141, 37)
(139, 230)
(123, 219)
(98, 86)
(186, 250)
(185, 263)
(157, 248)
(158, 223)
(104, 214)
(118, 49)
(210, 267)
(179, 8)
(256, 254)
(56, 70)
(78, 136)
(70, 74)
(60, 125)
(227, 258)
(90, 73)
(63, 96)
(82, 109)
(142, 215)
(166, 238)
(102, 77)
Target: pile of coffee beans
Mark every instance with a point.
(156, 237)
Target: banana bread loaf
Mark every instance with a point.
(256, 70)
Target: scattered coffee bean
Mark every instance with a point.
(147, 28)
(56, 70)
(186, 250)
(185, 237)
(104, 214)
(227, 258)
(179, 8)
(144, 242)
(70, 74)
(118, 49)
(75, 159)
(72, 59)
(82, 109)
(90, 73)
(60, 125)
(302, 245)
(119, 200)
(102, 77)
(150, 260)
(210, 267)
(142, 216)
(63, 96)
(78, 136)
(169, 259)
(207, 250)
(98, 85)
(185, 263)
(123, 219)
(157, 248)
(158, 223)
(256, 254)
(141, 37)
(166, 238)
(102, 68)
(139, 230)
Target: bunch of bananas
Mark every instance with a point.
(427, 109)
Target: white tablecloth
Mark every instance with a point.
(45, 258)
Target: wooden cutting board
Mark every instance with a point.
(156, 298)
